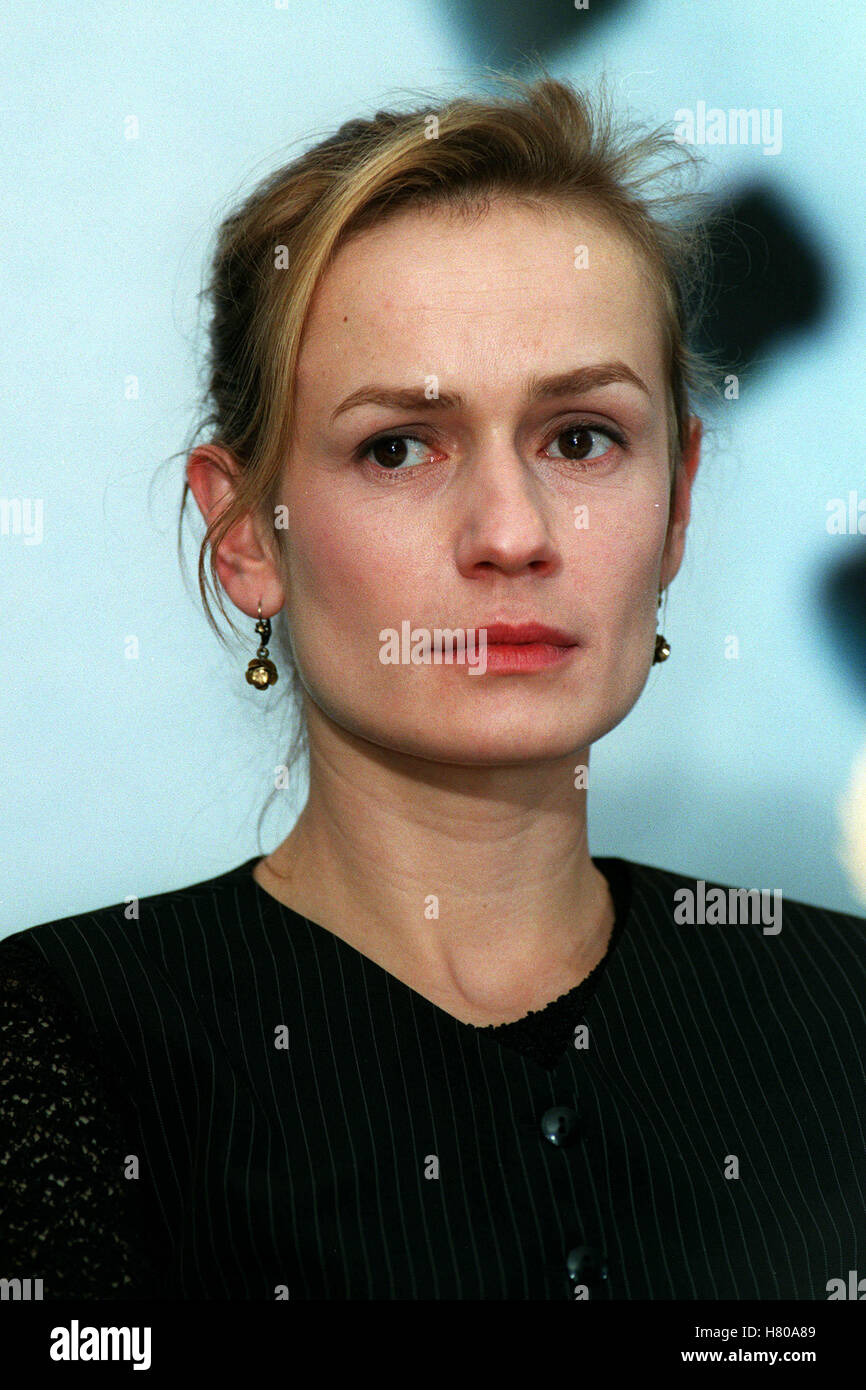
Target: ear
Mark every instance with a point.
(681, 508)
(246, 560)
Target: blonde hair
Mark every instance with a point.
(540, 142)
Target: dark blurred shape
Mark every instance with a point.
(508, 34)
(768, 279)
(842, 602)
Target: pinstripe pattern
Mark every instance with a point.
(307, 1167)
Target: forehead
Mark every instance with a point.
(515, 290)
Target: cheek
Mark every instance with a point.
(621, 560)
(624, 545)
(350, 576)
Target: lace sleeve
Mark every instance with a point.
(67, 1216)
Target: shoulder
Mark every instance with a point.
(65, 1122)
(198, 899)
(739, 940)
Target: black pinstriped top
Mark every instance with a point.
(222, 1099)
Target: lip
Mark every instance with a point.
(520, 634)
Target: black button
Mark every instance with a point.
(559, 1125)
(586, 1266)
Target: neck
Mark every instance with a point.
(473, 884)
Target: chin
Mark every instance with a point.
(485, 746)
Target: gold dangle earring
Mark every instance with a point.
(663, 646)
(662, 651)
(261, 673)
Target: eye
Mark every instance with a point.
(389, 451)
(580, 447)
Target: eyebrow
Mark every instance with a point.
(538, 388)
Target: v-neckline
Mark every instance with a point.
(613, 869)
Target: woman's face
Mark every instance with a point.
(487, 504)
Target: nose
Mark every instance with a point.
(503, 515)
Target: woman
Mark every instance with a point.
(430, 1047)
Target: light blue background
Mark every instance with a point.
(134, 776)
